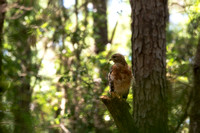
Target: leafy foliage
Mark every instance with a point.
(52, 77)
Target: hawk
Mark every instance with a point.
(119, 77)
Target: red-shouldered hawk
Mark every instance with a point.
(120, 76)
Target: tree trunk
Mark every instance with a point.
(100, 34)
(100, 31)
(149, 65)
(21, 108)
(22, 92)
(2, 87)
(21, 89)
(2, 17)
(195, 109)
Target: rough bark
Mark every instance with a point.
(195, 109)
(119, 109)
(100, 31)
(149, 65)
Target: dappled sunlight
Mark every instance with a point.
(55, 63)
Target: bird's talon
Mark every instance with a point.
(114, 95)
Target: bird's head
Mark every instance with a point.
(118, 58)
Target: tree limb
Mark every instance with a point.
(119, 109)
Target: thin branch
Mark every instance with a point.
(113, 33)
(185, 115)
(39, 65)
(180, 5)
(64, 128)
(76, 12)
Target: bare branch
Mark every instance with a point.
(113, 33)
(119, 109)
(64, 128)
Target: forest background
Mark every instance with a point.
(54, 63)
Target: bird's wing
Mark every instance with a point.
(111, 80)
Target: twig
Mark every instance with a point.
(113, 33)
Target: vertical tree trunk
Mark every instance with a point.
(100, 34)
(21, 89)
(100, 25)
(22, 92)
(21, 108)
(149, 65)
(195, 110)
(2, 17)
(2, 88)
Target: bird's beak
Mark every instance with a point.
(110, 59)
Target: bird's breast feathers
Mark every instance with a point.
(120, 72)
(121, 77)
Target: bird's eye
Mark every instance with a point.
(114, 56)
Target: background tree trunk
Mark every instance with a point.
(100, 34)
(149, 65)
(22, 40)
(195, 109)
(2, 87)
(21, 109)
(22, 91)
(2, 17)
(100, 31)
